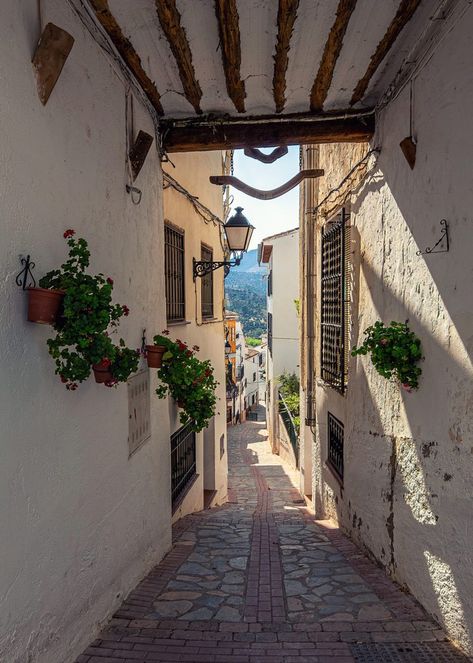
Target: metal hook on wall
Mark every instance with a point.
(26, 273)
(444, 239)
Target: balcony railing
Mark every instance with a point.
(290, 426)
(183, 461)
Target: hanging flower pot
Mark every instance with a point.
(44, 305)
(154, 355)
(102, 371)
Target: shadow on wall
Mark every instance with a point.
(431, 460)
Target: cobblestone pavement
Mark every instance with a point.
(259, 581)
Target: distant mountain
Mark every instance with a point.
(245, 292)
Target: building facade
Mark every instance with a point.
(393, 467)
(280, 253)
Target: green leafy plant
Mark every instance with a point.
(82, 340)
(189, 380)
(395, 352)
(289, 388)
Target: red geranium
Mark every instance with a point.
(125, 309)
(105, 363)
(69, 233)
(110, 281)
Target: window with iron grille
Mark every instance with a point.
(207, 282)
(335, 445)
(270, 283)
(174, 273)
(270, 333)
(334, 303)
(183, 461)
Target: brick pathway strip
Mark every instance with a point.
(259, 581)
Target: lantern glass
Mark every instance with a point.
(238, 231)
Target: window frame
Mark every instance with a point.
(175, 283)
(207, 284)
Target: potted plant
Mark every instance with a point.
(395, 352)
(154, 353)
(189, 380)
(82, 342)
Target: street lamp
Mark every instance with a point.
(238, 231)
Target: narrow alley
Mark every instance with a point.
(259, 581)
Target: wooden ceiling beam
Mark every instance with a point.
(195, 134)
(332, 49)
(170, 20)
(229, 32)
(287, 14)
(127, 52)
(403, 15)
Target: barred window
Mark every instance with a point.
(335, 445)
(270, 333)
(270, 283)
(174, 273)
(207, 281)
(334, 303)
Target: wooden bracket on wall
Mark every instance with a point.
(49, 58)
(276, 154)
(139, 152)
(409, 149)
(265, 195)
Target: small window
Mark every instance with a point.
(174, 273)
(335, 445)
(270, 333)
(207, 285)
(270, 283)
(254, 377)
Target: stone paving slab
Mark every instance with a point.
(260, 581)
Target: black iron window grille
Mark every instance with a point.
(207, 291)
(270, 333)
(270, 283)
(183, 460)
(174, 273)
(335, 445)
(334, 303)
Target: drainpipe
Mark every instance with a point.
(312, 159)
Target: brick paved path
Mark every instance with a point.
(258, 581)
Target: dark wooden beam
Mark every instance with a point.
(404, 13)
(126, 51)
(170, 20)
(194, 134)
(332, 49)
(229, 32)
(287, 14)
(255, 153)
(269, 194)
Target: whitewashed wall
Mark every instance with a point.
(80, 521)
(407, 492)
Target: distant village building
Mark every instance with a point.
(280, 253)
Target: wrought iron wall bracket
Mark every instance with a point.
(203, 267)
(26, 274)
(443, 242)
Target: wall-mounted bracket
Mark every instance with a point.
(259, 193)
(203, 267)
(25, 278)
(443, 243)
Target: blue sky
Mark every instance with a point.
(268, 216)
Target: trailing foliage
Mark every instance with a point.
(395, 352)
(82, 339)
(289, 388)
(252, 342)
(189, 380)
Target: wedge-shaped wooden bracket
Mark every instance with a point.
(409, 149)
(272, 193)
(276, 154)
(49, 58)
(139, 152)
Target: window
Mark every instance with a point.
(270, 283)
(254, 377)
(334, 304)
(174, 273)
(207, 282)
(183, 461)
(270, 333)
(335, 445)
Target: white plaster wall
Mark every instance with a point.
(252, 386)
(193, 171)
(409, 456)
(81, 522)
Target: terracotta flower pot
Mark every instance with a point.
(102, 373)
(154, 355)
(44, 305)
(180, 404)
